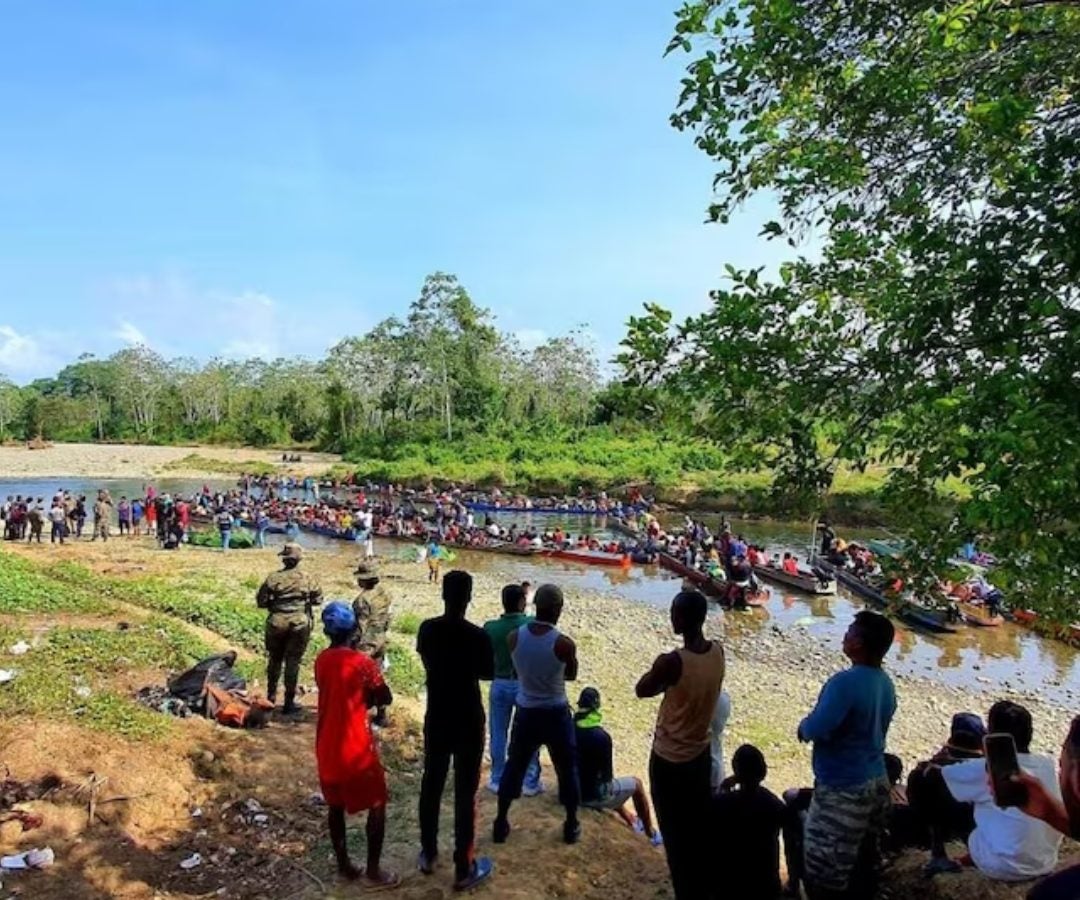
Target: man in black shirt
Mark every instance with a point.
(456, 655)
(600, 789)
(748, 819)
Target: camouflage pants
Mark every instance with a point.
(843, 834)
(285, 645)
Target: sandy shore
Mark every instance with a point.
(142, 460)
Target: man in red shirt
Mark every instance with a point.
(350, 772)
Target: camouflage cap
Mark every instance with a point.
(292, 551)
(367, 571)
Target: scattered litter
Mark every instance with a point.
(192, 862)
(262, 820)
(6, 675)
(317, 799)
(32, 859)
(806, 621)
(196, 813)
(19, 649)
(83, 692)
(252, 805)
(160, 699)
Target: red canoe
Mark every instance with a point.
(590, 557)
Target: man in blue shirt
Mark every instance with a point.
(847, 727)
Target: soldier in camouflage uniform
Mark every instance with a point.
(372, 609)
(288, 597)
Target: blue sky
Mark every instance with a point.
(234, 178)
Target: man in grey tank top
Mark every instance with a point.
(544, 659)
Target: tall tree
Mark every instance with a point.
(11, 406)
(933, 150)
(453, 343)
(140, 381)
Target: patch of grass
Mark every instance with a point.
(407, 623)
(67, 675)
(24, 588)
(406, 675)
(251, 582)
(199, 463)
(202, 601)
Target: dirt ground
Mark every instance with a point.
(204, 789)
(145, 821)
(140, 460)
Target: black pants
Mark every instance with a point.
(1065, 885)
(551, 727)
(934, 809)
(796, 804)
(680, 795)
(285, 645)
(465, 745)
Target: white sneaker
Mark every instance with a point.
(533, 792)
(493, 787)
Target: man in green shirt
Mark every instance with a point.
(504, 689)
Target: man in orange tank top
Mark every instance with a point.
(680, 767)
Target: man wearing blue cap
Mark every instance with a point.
(350, 772)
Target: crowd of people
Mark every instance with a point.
(835, 833)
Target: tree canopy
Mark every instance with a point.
(441, 370)
(929, 153)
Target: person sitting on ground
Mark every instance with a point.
(847, 727)
(1063, 816)
(940, 817)
(747, 819)
(350, 772)
(600, 789)
(1007, 845)
(904, 829)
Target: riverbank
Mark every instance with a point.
(774, 677)
(149, 461)
(855, 501)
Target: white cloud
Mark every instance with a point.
(22, 356)
(130, 334)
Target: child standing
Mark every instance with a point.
(350, 772)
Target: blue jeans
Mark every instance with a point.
(260, 538)
(226, 536)
(500, 714)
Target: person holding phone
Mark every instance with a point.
(1007, 845)
(1064, 817)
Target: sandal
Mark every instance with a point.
(479, 872)
(385, 882)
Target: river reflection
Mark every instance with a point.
(1008, 656)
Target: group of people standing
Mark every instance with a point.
(834, 832)
(25, 518)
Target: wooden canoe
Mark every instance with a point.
(707, 584)
(909, 613)
(590, 557)
(978, 616)
(804, 581)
